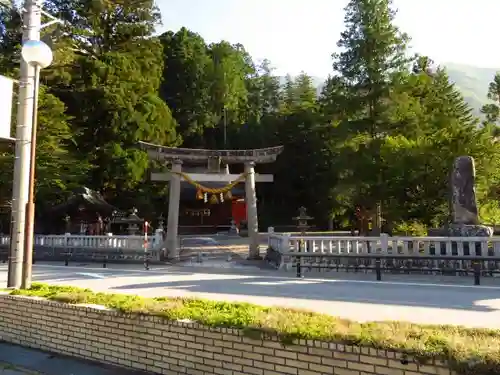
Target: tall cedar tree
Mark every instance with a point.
(373, 54)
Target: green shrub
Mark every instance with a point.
(410, 228)
(489, 212)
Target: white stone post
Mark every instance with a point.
(284, 248)
(384, 243)
(157, 239)
(251, 201)
(173, 210)
(270, 237)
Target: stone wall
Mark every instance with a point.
(164, 347)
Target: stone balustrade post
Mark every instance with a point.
(384, 243)
(157, 238)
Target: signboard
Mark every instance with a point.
(6, 91)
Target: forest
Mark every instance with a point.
(383, 132)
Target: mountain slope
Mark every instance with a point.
(473, 82)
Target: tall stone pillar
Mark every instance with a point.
(173, 211)
(251, 201)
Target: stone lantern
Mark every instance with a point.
(302, 220)
(302, 225)
(133, 222)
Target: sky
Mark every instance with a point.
(301, 35)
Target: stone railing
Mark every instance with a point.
(92, 248)
(92, 242)
(284, 245)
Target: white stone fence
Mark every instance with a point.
(93, 242)
(286, 245)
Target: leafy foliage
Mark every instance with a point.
(383, 132)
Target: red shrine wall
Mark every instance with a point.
(199, 217)
(239, 211)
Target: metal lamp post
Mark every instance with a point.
(32, 25)
(39, 55)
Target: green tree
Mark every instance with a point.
(294, 128)
(424, 101)
(56, 174)
(435, 126)
(491, 111)
(288, 94)
(186, 87)
(269, 87)
(97, 27)
(262, 109)
(110, 86)
(263, 93)
(298, 92)
(373, 54)
(230, 71)
(10, 40)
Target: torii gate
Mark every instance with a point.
(213, 158)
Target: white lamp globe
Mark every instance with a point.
(37, 53)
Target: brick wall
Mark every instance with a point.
(153, 344)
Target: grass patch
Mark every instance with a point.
(469, 351)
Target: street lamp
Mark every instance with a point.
(39, 55)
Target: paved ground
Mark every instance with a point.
(427, 299)
(15, 360)
(220, 246)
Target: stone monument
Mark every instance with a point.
(463, 204)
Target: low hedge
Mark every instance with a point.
(469, 351)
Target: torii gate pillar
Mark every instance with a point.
(173, 210)
(251, 202)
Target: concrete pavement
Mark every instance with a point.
(419, 299)
(15, 360)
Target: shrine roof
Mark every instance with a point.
(84, 199)
(259, 155)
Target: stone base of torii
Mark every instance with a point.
(176, 157)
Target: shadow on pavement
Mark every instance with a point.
(447, 292)
(336, 290)
(53, 364)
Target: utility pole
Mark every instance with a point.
(31, 18)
